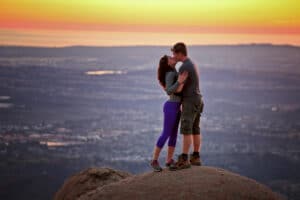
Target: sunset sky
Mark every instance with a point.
(153, 22)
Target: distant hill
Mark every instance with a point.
(203, 183)
(11, 51)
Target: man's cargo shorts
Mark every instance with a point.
(192, 108)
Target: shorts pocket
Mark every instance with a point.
(201, 106)
(198, 107)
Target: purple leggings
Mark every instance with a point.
(171, 120)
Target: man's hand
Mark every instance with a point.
(182, 77)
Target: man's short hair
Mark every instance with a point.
(179, 47)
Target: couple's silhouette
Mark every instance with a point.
(183, 107)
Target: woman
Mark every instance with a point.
(172, 84)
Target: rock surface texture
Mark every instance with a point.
(194, 183)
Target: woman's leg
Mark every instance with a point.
(156, 153)
(173, 137)
(171, 150)
(170, 118)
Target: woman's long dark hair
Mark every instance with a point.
(163, 68)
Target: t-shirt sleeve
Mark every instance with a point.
(171, 86)
(182, 68)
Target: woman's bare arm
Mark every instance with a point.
(178, 85)
(170, 86)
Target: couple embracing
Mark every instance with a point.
(183, 106)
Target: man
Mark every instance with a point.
(192, 107)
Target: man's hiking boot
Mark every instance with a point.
(195, 160)
(155, 165)
(182, 163)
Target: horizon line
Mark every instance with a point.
(149, 45)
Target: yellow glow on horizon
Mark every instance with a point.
(98, 38)
(248, 17)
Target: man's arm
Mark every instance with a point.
(182, 69)
(179, 89)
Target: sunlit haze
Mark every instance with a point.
(132, 22)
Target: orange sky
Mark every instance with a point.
(143, 22)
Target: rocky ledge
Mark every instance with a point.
(202, 182)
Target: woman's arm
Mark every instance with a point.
(170, 86)
(178, 85)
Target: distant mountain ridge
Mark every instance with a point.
(36, 51)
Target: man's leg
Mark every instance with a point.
(186, 126)
(183, 161)
(186, 129)
(187, 140)
(195, 156)
(197, 142)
